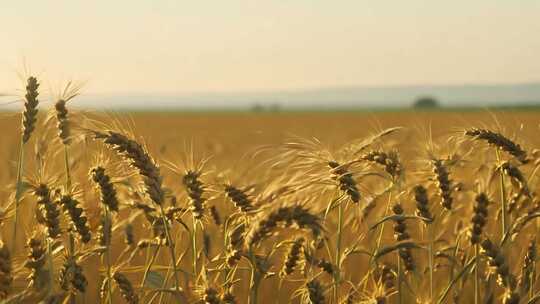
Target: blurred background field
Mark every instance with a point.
(231, 135)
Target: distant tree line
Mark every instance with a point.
(426, 102)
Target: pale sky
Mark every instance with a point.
(166, 46)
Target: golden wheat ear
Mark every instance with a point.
(479, 218)
(401, 234)
(498, 141)
(105, 187)
(137, 156)
(6, 276)
(287, 216)
(126, 288)
(77, 216)
(345, 180)
(240, 198)
(35, 262)
(195, 189)
(72, 277)
(315, 292)
(443, 182)
(29, 114)
(48, 213)
(422, 204)
(293, 257)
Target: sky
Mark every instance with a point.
(177, 46)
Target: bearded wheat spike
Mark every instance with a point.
(76, 214)
(293, 257)
(35, 261)
(62, 122)
(126, 289)
(315, 292)
(345, 180)
(422, 204)
(195, 190)
(516, 176)
(401, 234)
(234, 250)
(29, 115)
(287, 216)
(386, 277)
(6, 276)
(106, 188)
(479, 219)
(48, 215)
(139, 158)
(498, 262)
(390, 161)
(323, 264)
(240, 198)
(72, 276)
(499, 141)
(443, 182)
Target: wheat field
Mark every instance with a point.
(299, 207)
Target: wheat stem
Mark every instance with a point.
(149, 266)
(108, 260)
(399, 278)
(476, 275)
(18, 193)
(51, 265)
(504, 223)
(381, 229)
(430, 253)
(194, 246)
(337, 273)
(254, 280)
(171, 247)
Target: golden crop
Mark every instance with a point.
(397, 207)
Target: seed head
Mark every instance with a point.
(106, 188)
(239, 198)
(6, 276)
(126, 289)
(422, 204)
(500, 142)
(138, 157)
(479, 219)
(293, 257)
(195, 190)
(287, 216)
(29, 115)
(345, 180)
(72, 208)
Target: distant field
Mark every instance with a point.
(247, 150)
(232, 134)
